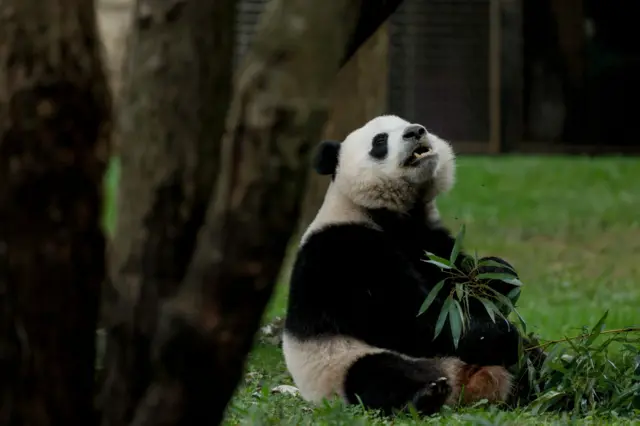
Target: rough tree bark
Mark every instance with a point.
(176, 86)
(54, 138)
(357, 95)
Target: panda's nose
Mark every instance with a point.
(414, 133)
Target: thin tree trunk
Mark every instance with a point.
(357, 95)
(176, 88)
(54, 139)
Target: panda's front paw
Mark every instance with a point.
(432, 397)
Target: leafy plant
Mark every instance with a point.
(579, 374)
(470, 283)
(582, 374)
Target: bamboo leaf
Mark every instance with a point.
(456, 322)
(502, 299)
(457, 245)
(438, 264)
(514, 295)
(438, 259)
(468, 264)
(443, 316)
(491, 262)
(523, 323)
(507, 278)
(459, 291)
(490, 307)
(431, 297)
(544, 402)
(597, 329)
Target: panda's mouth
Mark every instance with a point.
(416, 155)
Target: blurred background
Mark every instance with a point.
(535, 76)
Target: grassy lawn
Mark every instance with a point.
(570, 225)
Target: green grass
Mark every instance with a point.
(570, 225)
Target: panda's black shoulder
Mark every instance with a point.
(346, 272)
(353, 254)
(342, 244)
(413, 233)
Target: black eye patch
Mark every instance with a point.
(379, 146)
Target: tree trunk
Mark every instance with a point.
(357, 96)
(176, 88)
(210, 294)
(54, 140)
(279, 107)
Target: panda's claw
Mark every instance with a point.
(433, 396)
(441, 386)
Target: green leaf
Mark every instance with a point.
(514, 295)
(507, 278)
(468, 264)
(438, 264)
(523, 323)
(457, 245)
(490, 307)
(491, 262)
(630, 392)
(431, 297)
(597, 329)
(456, 322)
(443, 316)
(531, 375)
(438, 259)
(459, 291)
(503, 300)
(545, 401)
(573, 346)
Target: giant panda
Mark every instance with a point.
(359, 278)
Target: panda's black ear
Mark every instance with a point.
(325, 160)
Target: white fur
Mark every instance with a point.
(361, 182)
(336, 208)
(373, 184)
(318, 367)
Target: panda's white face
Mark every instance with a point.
(389, 162)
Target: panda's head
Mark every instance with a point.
(388, 163)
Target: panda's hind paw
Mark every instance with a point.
(432, 397)
(440, 386)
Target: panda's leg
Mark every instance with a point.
(389, 382)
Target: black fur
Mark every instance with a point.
(355, 281)
(359, 282)
(380, 146)
(325, 160)
(414, 132)
(396, 382)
